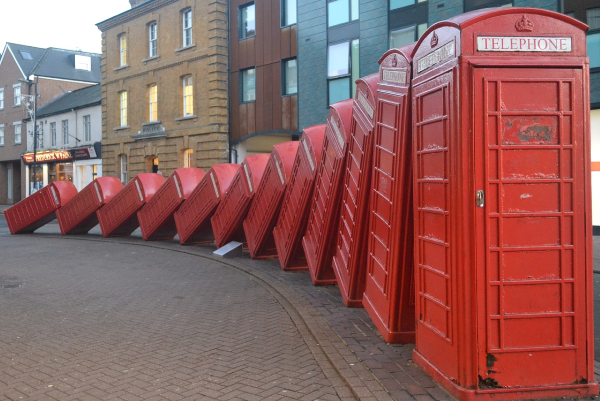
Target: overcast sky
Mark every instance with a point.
(65, 24)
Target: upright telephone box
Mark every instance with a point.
(321, 232)
(262, 216)
(293, 216)
(156, 217)
(503, 240)
(389, 283)
(231, 212)
(193, 217)
(350, 257)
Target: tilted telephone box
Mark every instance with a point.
(321, 231)
(156, 217)
(231, 212)
(503, 240)
(263, 212)
(193, 217)
(350, 257)
(118, 218)
(293, 215)
(389, 296)
(39, 208)
(79, 216)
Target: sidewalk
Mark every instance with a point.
(353, 361)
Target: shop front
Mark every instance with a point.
(78, 165)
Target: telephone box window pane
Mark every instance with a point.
(339, 89)
(338, 59)
(593, 44)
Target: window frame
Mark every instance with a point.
(241, 20)
(187, 31)
(187, 99)
(20, 134)
(53, 134)
(285, 6)
(284, 76)
(123, 104)
(64, 124)
(241, 85)
(1, 98)
(469, 6)
(188, 158)
(152, 40)
(87, 128)
(122, 49)
(17, 97)
(352, 4)
(123, 171)
(1, 134)
(152, 105)
(351, 75)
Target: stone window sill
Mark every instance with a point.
(186, 118)
(122, 67)
(123, 127)
(192, 46)
(150, 59)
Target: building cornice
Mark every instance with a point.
(133, 13)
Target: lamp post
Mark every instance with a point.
(33, 114)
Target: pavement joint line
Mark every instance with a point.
(300, 316)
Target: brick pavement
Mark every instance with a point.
(352, 357)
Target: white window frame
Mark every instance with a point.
(18, 135)
(65, 132)
(188, 98)
(1, 134)
(153, 103)
(187, 27)
(87, 128)
(17, 94)
(1, 98)
(152, 39)
(123, 108)
(188, 158)
(123, 49)
(124, 165)
(53, 134)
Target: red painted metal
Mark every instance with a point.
(321, 231)
(229, 216)
(79, 215)
(265, 207)
(39, 208)
(503, 240)
(295, 205)
(350, 259)
(156, 217)
(389, 286)
(193, 217)
(118, 218)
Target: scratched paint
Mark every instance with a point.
(530, 130)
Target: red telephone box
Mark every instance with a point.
(263, 212)
(389, 283)
(229, 216)
(79, 215)
(39, 208)
(118, 218)
(321, 231)
(156, 217)
(350, 257)
(193, 217)
(503, 240)
(293, 216)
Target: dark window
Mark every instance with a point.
(290, 77)
(342, 70)
(405, 36)
(471, 5)
(248, 85)
(288, 12)
(588, 12)
(247, 21)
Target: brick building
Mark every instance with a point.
(56, 71)
(164, 87)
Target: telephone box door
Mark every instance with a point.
(530, 199)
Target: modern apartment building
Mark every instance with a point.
(22, 69)
(164, 87)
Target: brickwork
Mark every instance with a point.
(205, 61)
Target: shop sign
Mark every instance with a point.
(60, 155)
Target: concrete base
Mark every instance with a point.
(229, 250)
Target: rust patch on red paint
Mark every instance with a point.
(526, 130)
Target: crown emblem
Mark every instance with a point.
(394, 62)
(434, 40)
(524, 25)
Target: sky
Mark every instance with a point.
(65, 24)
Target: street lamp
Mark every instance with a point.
(33, 116)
